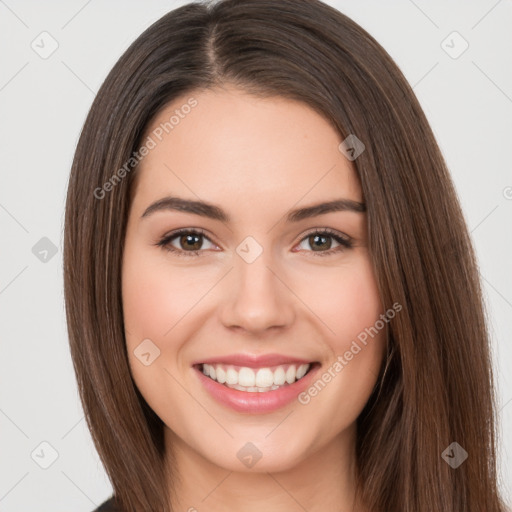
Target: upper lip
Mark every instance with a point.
(254, 361)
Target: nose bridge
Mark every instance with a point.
(259, 299)
(255, 277)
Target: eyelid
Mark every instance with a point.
(326, 231)
(344, 241)
(164, 241)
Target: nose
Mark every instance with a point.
(257, 297)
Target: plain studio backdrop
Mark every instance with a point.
(456, 56)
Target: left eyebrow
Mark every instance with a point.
(338, 205)
(214, 212)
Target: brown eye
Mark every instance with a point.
(320, 242)
(191, 241)
(185, 242)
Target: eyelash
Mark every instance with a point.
(164, 243)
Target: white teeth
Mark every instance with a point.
(246, 377)
(290, 375)
(249, 379)
(279, 376)
(264, 378)
(303, 368)
(253, 388)
(221, 375)
(231, 376)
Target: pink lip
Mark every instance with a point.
(253, 361)
(254, 402)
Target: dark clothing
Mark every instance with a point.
(108, 506)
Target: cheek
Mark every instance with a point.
(156, 297)
(347, 301)
(350, 306)
(154, 302)
(158, 304)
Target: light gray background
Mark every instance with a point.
(43, 102)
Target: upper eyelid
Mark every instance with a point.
(199, 231)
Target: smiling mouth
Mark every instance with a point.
(261, 380)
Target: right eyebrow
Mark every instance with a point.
(187, 205)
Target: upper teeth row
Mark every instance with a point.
(249, 377)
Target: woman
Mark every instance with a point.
(268, 276)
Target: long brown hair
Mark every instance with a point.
(436, 384)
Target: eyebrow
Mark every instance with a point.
(214, 212)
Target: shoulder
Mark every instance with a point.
(108, 506)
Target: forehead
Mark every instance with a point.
(233, 145)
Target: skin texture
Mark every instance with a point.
(256, 159)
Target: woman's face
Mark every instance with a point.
(260, 293)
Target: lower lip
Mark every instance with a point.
(254, 401)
